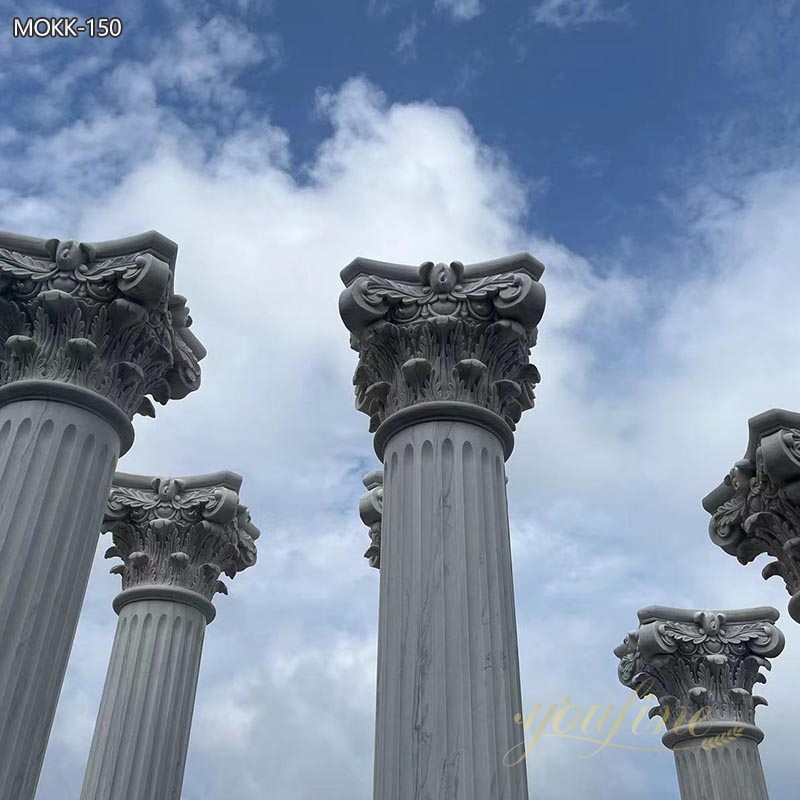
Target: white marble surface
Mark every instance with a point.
(448, 667)
(730, 772)
(142, 731)
(56, 465)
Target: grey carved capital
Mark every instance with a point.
(443, 332)
(180, 533)
(370, 508)
(102, 317)
(695, 660)
(756, 509)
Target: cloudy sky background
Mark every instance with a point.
(647, 153)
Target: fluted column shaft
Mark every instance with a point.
(142, 732)
(732, 771)
(88, 331)
(175, 537)
(444, 374)
(56, 465)
(448, 668)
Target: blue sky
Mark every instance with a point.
(607, 109)
(646, 152)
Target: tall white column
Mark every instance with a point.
(86, 332)
(702, 666)
(176, 536)
(444, 375)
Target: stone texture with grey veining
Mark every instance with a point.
(444, 376)
(87, 332)
(145, 718)
(732, 771)
(56, 463)
(175, 537)
(702, 666)
(448, 667)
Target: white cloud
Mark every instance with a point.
(202, 58)
(460, 10)
(259, 261)
(647, 385)
(406, 46)
(565, 14)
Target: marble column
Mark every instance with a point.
(87, 331)
(702, 666)
(175, 537)
(444, 376)
(756, 509)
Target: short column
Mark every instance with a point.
(756, 509)
(702, 666)
(87, 331)
(175, 536)
(444, 376)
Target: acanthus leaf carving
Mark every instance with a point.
(758, 510)
(701, 659)
(93, 317)
(442, 335)
(370, 508)
(179, 532)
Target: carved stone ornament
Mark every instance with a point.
(99, 316)
(370, 508)
(182, 532)
(756, 509)
(701, 659)
(443, 332)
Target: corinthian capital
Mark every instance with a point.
(756, 509)
(102, 316)
(697, 660)
(179, 532)
(443, 332)
(370, 508)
